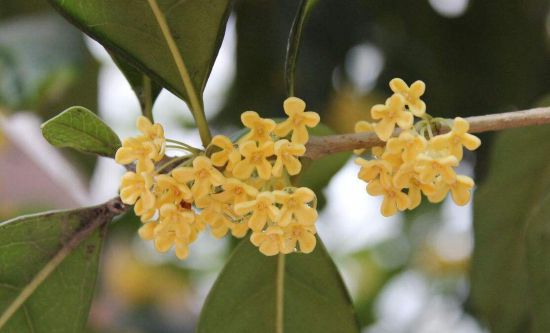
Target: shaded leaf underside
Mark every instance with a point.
(27, 244)
(511, 262)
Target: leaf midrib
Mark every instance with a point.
(99, 140)
(98, 217)
(279, 293)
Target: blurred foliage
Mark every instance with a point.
(510, 263)
(45, 66)
(44, 63)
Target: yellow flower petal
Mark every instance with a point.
(243, 170)
(258, 220)
(388, 207)
(307, 242)
(147, 231)
(264, 169)
(293, 105)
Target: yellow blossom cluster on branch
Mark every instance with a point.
(416, 161)
(230, 187)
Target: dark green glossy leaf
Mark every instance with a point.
(510, 267)
(79, 128)
(130, 31)
(29, 244)
(244, 298)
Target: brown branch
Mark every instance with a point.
(320, 146)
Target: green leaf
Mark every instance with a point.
(130, 31)
(79, 128)
(538, 259)
(48, 269)
(146, 90)
(510, 274)
(247, 295)
(293, 46)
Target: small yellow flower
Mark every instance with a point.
(394, 199)
(394, 159)
(147, 231)
(236, 191)
(460, 189)
(169, 190)
(415, 190)
(262, 208)
(221, 218)
(213, 213)
(203, 175)
(196, 227)
(174, 229)
(229, 154)
(373, 169)
(270, 241)
(149, 214)
(287, 153)
(144, 149)
(153, 133)
(362, 127)
(429, 167)
(297, 121)
(257, 183)
(409, 145)
(407, 177)
(279, 183)
(260, 128)
(390, 114)
(295, 206)
(410, 165)
(136, 189)
(300, 234)
(255, 158)
(411, 95)
(239, 229)
(441, 190)
(456, 138)
(138, 149)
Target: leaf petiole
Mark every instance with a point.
(194, 101)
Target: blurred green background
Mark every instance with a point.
(425, 271)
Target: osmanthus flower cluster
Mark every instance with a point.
(231, 187)
(416, 161)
